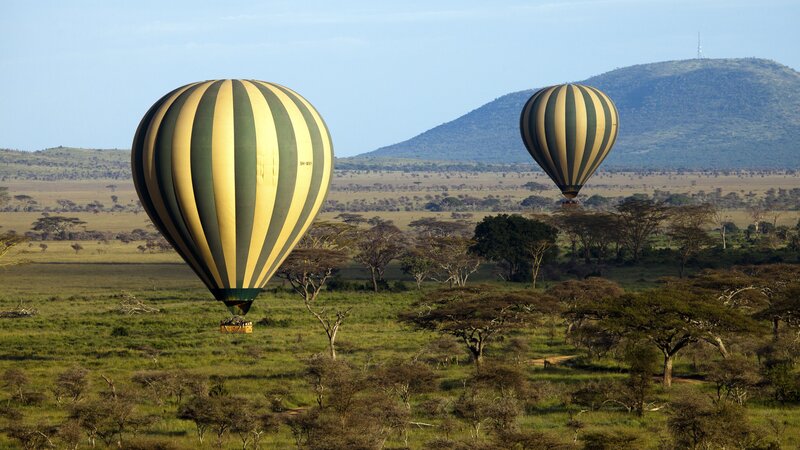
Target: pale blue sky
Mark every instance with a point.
(82, 73)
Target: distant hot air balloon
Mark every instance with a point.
(232, 172)
(569, 129)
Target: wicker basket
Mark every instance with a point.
(245, 328)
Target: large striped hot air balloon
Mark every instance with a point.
(232, 172)
(569, 129)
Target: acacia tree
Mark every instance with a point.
(768, 292)
(537, 250)
(377, 247)
(780, 294)
(440, 250)
(686, 228)
(352, 219)
(416, 262)
(639, 219)
(722, 221)
(477, 314)
(404, 378)
(56, 227)
(7, 242)
(595, 231)
(574, 295)
(320, 253)
(71, 384)
(431, 227)
(670, 318)
(453, 259)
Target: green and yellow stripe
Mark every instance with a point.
(569, 129)
(232, 172)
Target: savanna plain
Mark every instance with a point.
(455, 309)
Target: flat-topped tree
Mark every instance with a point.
(56, 227)
(575, 294)
(478, 315)
(671, 318)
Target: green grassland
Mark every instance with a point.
(77, 319)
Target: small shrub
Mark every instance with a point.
(274, 323)
(71, 384)
(399, 286)
(119, 332)
(696, 421)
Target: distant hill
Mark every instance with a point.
(65, 163)
(693, 114)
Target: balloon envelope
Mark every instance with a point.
(569, 129)
(232, 172)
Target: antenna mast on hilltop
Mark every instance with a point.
(699, 48)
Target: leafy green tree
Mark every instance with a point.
(598, 202)
(576, 294)
(200, 411)
(506, 238)
(768, 291)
